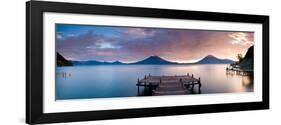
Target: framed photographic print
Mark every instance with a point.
(95, 62)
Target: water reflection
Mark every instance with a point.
(247, 81)
(80, 82)
(63, 74)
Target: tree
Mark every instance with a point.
(239, 57)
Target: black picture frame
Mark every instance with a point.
(34, 61)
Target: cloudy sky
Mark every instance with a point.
(129, 44)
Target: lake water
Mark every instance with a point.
(81, 82)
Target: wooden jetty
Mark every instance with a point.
(238, 71)
(170, 85)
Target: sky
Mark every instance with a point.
(131, 44)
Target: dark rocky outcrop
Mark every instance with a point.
(61, 61)
(247, 63)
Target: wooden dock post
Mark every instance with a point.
(192, 87)
(192, 75)
(150, 87)
(138, 90)
(181, 82)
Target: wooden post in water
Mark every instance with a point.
(199, 83)
(192, 75)
(138, 86)
(192, 86)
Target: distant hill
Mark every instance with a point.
(210, 59)
(61, 61)
(154, 60)
(247, 62)
(94, 62)
(90, 62)
(117, 63)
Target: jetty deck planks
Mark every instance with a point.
(170, 85)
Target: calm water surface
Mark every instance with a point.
(79, 82)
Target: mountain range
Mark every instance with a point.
(156, 60)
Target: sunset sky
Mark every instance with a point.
(128, 44)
